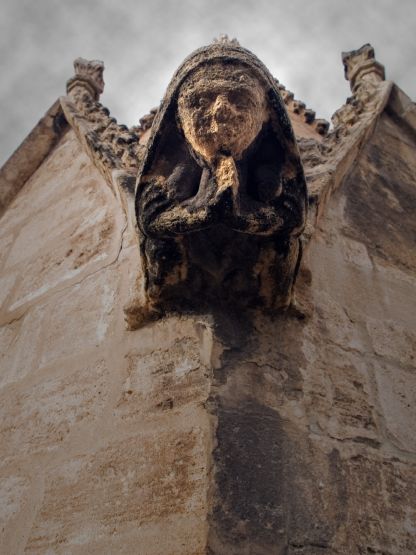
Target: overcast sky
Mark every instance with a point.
(143, 41)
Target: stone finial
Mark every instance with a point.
(361, 66)
(224, 39)
(88, 78)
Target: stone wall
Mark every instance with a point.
(316, 417)
(209, 434)
(105, 443)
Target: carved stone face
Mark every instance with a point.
(221, 108)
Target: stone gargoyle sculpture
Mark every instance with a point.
(221, 196)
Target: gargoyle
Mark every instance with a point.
(221, 196)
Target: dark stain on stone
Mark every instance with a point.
(381, 196)
(267, 493)
(59, 123)
(249, 467)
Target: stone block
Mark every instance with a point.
(392, 341)
(342, 271)
(93, 238)
(339, 323)
(167, 378)
(83, 313)
(77, 212)
(121, 498)
(378, 506)
(53, 180)
(39, 418)
(338, 395)
(21, 341)
(82, 253)
(397, 396)
(397, 288)
(6, 285)
(14, 499)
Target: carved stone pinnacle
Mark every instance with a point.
(360, 65)
(88, 78)
(224, 39)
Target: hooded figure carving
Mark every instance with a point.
(221, 194)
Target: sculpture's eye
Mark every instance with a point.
(240, 99)
(203, 102)
(192, 101)
(234, 98)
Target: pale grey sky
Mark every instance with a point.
(143, 41)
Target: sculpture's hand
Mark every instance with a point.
(205, 196)
(283, 214)
(223, 206)
(226, 175)
(167, 210)
(217, 190)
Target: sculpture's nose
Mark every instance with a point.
(222, 109)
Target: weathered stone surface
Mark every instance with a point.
(31, 154)
(22, 346)
(397, 393)
(384, 184)
(91, 502)
(214, 433)
(92, 304)
(77, 228)
(6, 285)
(5, 243)
(378, 511)
(328, 401)
(40, 419)
(163, 379)
(46, 186)
(15, 490)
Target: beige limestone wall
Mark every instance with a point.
(316, 426)
(193, 435)
(103, 437)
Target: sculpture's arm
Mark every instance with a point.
(285, 213)
(169, 209)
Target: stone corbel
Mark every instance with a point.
(221, 197)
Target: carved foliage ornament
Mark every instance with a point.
(221, 194)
